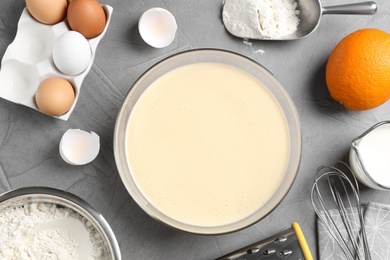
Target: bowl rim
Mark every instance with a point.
(292, 122)
(73, 202)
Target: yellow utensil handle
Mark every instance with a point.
(302, 241)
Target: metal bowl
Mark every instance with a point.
(226, 58)
(27, 195)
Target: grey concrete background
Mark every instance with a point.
(29, 140)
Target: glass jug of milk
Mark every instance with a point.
(369, 156)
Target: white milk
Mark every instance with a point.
(374, 151)
(207, 144)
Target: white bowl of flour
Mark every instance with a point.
(47, 223)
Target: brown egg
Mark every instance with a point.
(86, 17)
(54, 96)
(47, 11)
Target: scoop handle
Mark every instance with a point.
(367, 8)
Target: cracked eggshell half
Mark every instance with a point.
(157, 27)
(78, 147)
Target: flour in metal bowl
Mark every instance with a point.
(48, 231)
(47, 223)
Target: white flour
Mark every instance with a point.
(45, 231)
(260, 18)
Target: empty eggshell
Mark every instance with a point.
(157, 27)
(72, 53)
(78, 147)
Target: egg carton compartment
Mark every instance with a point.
(28, 60)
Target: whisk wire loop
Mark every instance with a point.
(328, 221)
(350, 235)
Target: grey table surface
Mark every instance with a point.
(29, 140)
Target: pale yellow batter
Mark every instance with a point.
(207, 144)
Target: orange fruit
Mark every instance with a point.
(358, 69)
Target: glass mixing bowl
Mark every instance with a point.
(208, 56)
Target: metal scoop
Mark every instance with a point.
(310, 13)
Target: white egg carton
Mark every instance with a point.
(28, 60)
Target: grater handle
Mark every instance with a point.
(288, 244)
(302, 241)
